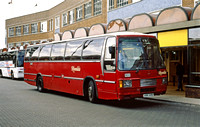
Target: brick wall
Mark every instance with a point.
(188, 3)
(58, 10)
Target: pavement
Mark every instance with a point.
(176, 96)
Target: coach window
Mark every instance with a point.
(28, 54)
(1, 57)
(109, 58)
(34, 53)
(12, 56)
(58, 51)
(92, 49)
(73, 50)
(45, 53)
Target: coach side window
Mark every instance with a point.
(28, 54)
(58, 51)
(12, 57)
(1, 57)
(44, 54)
(109, 58)
(92, 49)
(73, 50)
(34, 53)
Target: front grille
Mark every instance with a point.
(148, 82)
(147, 90)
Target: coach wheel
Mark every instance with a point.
(92, 92)
(39, 84)
(12, 76)
(1, 75)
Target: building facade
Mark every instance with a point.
(70, 15)
(41, 26)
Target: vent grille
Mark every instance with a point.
(148, 82)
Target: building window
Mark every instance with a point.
(57, 22)
(11, 32)
(51, 25)
(97, 7)
(194, 63)
(111, 5)
(71, 17)
(18, 44)
(88, 10)
(134, 1)
(34, 28)
(43, 27)
(79, 13)
(25, 29)
(18, 30)
(64, 19)
(10, 45)
(121, 3)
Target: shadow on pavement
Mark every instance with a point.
(127, 104)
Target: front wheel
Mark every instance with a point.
(92, 92)
(39, 84)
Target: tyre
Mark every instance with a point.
(1, 75)
(12, 75)
(92, 92)
(39, 84)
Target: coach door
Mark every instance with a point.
(110, 88)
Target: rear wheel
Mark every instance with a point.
(39, 84)
(1, 75)
(12, 75)
(92, 92)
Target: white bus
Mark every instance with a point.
(12, 64)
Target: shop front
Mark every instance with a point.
(193, 87)
(174, 50)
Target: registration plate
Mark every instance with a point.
(148, 95)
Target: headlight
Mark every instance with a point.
(125, 83)
(164, 80)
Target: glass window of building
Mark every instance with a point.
(134, 1)
(71, 17)
(57, 22)
(64, 19)
(51, 25)
(11, 32)
(121, 3)
(194, 62)
(111, 5)
(97, 7)
(79, 13)
(88, 10)
(10, 45)
(18, 44)
(25, 29)
(18, 30)
(34, 28)
(43, 27)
